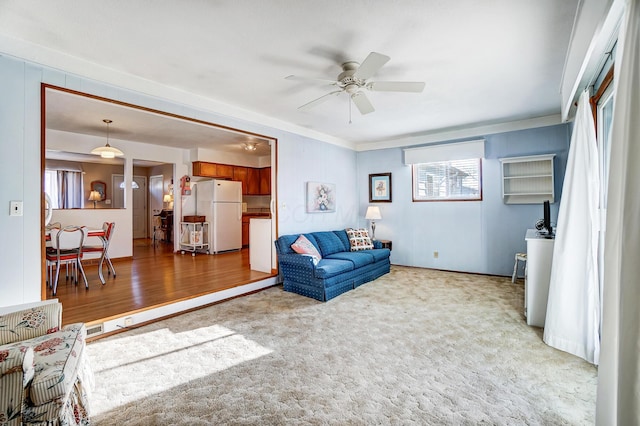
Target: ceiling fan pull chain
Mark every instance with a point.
(349, 100)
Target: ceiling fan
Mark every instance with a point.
(354, 80)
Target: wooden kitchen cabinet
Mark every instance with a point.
(204, 169)
(253, 181)
(224, 171)
(245, 231)
(265, 181)
(212, 170)
(240, 174)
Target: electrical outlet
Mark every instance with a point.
(435, 254)
(128, 321)
(16, 208)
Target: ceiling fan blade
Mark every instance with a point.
(320, 100)
(362, 103)
(396, 86)
(371, 65)
(321, 80)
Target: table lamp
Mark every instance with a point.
(167, 198)
(373, 214)
(95, 197)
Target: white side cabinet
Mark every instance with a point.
(527, 180)
(537, 277)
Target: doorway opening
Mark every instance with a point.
(171, 143)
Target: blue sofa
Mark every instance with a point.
(339, 270)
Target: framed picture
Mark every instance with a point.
(321, 197)
(380, 188)
(101, 187)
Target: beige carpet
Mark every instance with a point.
(413, 347)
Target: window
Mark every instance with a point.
(447, 171)
(51, 187)
(64, 188)
(604, 121)
(448, 180)
(602, 104)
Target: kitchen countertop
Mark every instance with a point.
(249, 214)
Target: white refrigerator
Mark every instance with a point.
(220, 201)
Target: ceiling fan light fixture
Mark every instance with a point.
(250, 146)
(107, 151)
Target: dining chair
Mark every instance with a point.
(66, 247)
(53, 225)
(50, 227)
(103, 248)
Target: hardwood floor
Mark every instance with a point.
(155, 277)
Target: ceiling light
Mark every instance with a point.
(107, 151)
(250, 146)
(134, 185)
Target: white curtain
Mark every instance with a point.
(618, 400)
(573, 307)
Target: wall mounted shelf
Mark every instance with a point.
(527, 180)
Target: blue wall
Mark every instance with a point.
(303, 160)
(471, 236)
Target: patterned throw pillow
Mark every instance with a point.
(359, 239)
(305, 247)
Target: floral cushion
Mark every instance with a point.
(30, 323)
(359, 239)
(72, 411)
(56, 360)
(303, 246)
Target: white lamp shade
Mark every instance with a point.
(95, 196)
(373, 213)
(107, 151)
(166, 198)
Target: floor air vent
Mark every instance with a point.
(95, 329)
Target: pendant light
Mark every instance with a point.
(107, 151)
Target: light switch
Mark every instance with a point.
(16, 208)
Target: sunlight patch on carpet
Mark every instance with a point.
(171, 358)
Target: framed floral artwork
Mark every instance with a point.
(321, 197)
(380, 188)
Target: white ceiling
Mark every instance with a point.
(82, 114)
(482, 62)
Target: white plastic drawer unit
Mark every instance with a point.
(527, 180)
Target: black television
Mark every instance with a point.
(546, 221)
